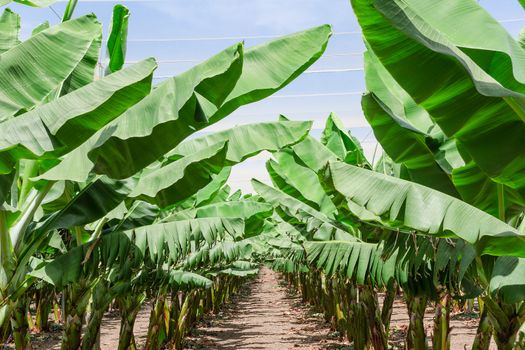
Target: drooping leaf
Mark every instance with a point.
(60, 49)
(172, 108)
(359, 260)
(313, 153)
(248, 140)
(406, 145)
(184, 280)
(304, 181)
(317, 223)
(39, 28)
(63, 124)
(377, 198)
(85, 71)
(468, 74)
(271, 66)
(182, 178)
(507, 282)
(117, 150)
(118, 249)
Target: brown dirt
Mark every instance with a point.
(265, 317)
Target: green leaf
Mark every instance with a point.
(253, 213)
(22, 81)
(304, 181)
(507, 281)
(9, 30)
(173, 110)
(337, 139)
(184, 280)
(40, 28)
(359, 260)
(458, 63)
(118, 249)
(93, 202)
(271, 66)
(313, 153)
(232, 209)
(248, 140)
(70, 8)
(376, 198)
(34, 3)
(207, 193)
(317, 223)
(406, 145)
(63, 124)
(182, 178)
(183, 104)
(117, 41)
(85, 71)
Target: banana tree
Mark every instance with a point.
(42, 193)
(453, 140)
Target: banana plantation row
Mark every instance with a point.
(106, 201)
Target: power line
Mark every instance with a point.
(197, 60)
(511, 20)
(344, 93)
(220, 38)
(272, 36)
(310, 71)
(334, 70)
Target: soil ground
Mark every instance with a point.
(265, 315)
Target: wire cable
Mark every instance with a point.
(310, 71)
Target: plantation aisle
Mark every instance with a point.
(265, 318)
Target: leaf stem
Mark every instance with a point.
(501, 202)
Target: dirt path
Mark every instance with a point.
(265, 318)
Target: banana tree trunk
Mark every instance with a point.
(175, 309)
(441, 333)
(378, 335)
(388, 306)
(156, 329)
(19, 324)
(129, 307)
(44, 303)
(101, 300)
(76, 298)
(416, 336)
(483, 333)
(506, 320)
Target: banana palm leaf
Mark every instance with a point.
(317, 223)
(61, 125)
(470, 82)
(118, 249)
(9, 30)
(60, 49)
(248, 140)
(355, 260)
(185, 103)
(337, 139)
(396, 203)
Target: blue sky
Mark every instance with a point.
(201, 19)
